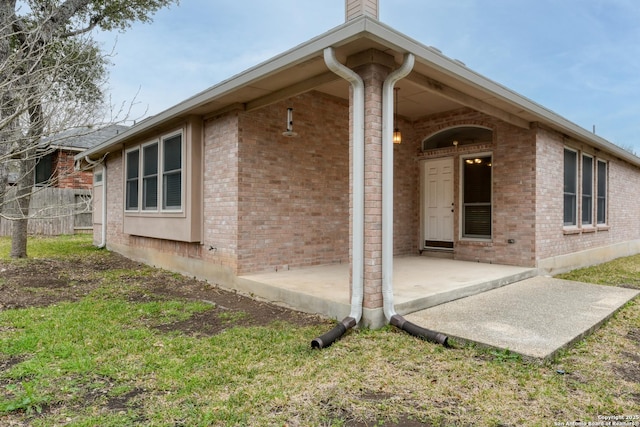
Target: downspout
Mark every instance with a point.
(103, 231)
(357, 239)
(387, 208)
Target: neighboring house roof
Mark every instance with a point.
(84, 137)
(77, 139)
(436, 84)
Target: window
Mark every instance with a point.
(601, 207)
(590, 199)
(44, 169)
(476, 203)
(150, 177)
(587, 190)
(133, 166)
(145, 165)
(172, 172)
(460, 135)
(570, 187)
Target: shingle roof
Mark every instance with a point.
(85, 137)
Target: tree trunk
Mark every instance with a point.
(25, 183)
(23, 199)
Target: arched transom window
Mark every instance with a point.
(458, 136)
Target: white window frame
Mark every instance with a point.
(98, 176)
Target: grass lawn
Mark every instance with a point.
(106, 357)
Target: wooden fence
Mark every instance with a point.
(53, 211)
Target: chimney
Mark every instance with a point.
(356, 8)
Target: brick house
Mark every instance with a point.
(57, 168)
(61, 200)
(293, 164)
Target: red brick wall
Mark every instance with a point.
(220, 202)
(373, 76)
(514, 187)
(293, 200)
(115, 200)
(406, 192)
(66, 176)
(623, 202)
(272, 202)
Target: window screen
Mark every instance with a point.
(587, 190)
(172, 172)
(602, 193)
(570, 187)
(150, 177)
(44, 169)
(133, 166)
(477, 198)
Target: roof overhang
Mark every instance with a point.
(437, 83)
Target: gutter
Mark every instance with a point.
(387, 208)
(103, 231)
(357, 239)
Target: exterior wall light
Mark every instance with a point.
(289, 133)
(397, 135)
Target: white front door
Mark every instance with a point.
(437, 203)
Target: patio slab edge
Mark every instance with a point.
(535, 318)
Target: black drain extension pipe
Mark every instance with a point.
(418, 331)
(330, 337)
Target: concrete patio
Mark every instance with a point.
(419, 282)
(534, 316)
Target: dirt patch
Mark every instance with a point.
(7, 363)
(43, 282)
(634, 335)
(629, 372)
(630, 369)
(122, 403)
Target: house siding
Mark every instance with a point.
(293, 197)
(269, 202)
(406, 192)
(272, 202)
(623, 204)
(220, 192)
(514, 188)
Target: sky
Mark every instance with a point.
(578, 58)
